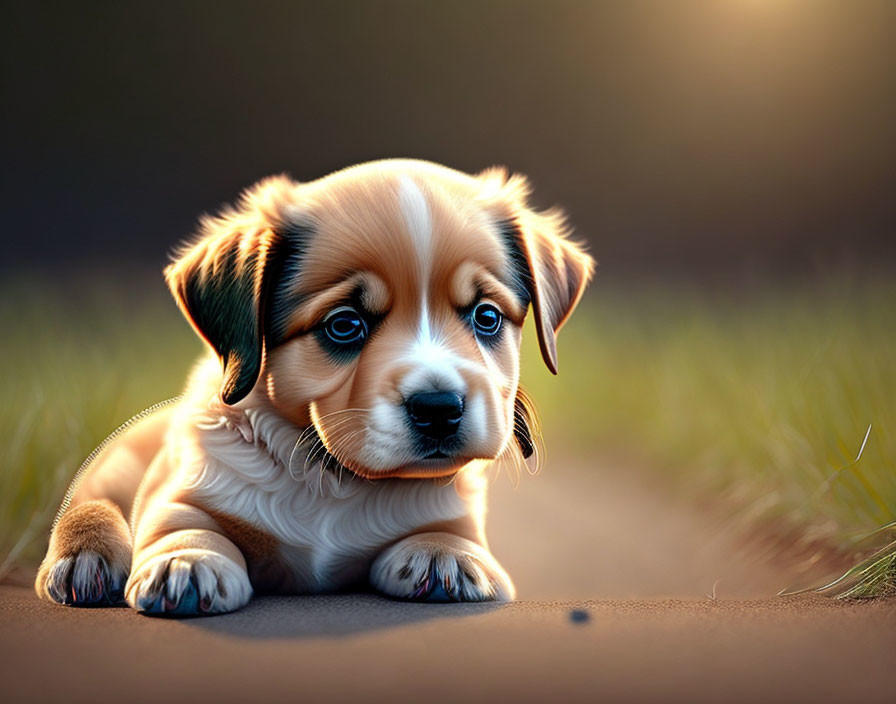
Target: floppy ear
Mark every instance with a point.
(222, 285)
(558, 272)
(552, 270)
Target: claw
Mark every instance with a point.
(76, 583)
(432, 587)
(423, 588)
(439, 594)
(185, 604)
(188, 585)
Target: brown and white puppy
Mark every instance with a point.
(365, 330)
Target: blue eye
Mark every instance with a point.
(486, 319)
(345, 326)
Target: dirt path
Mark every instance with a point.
(597, 558)
(579, 531)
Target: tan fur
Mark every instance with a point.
(96, 527)
(213, 499)
(267, 569)
(255, 544)
(126, 461)
(166, 517)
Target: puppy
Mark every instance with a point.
(364, 332)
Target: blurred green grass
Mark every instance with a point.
(80, 357)
(762, 397)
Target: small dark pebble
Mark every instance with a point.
(579, 616)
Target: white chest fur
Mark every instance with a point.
(329, 525)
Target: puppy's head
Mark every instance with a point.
(383, 304)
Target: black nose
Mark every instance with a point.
(436, 414)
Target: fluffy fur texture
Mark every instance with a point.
(294, 462)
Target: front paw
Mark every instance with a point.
(440, 567)
(84, 579)
(189, 582)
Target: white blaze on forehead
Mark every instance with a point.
(415, 210)
(436, 368)
(418, 220)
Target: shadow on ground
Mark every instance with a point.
(295, 617)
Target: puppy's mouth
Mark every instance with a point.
(433, 462)
(432, 466)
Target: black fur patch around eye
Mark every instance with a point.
(295, 241)
(343, 353)
(339, 353)
(523, 284)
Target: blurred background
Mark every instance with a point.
(720, 137)
(729, 162)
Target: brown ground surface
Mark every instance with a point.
(613, 579)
